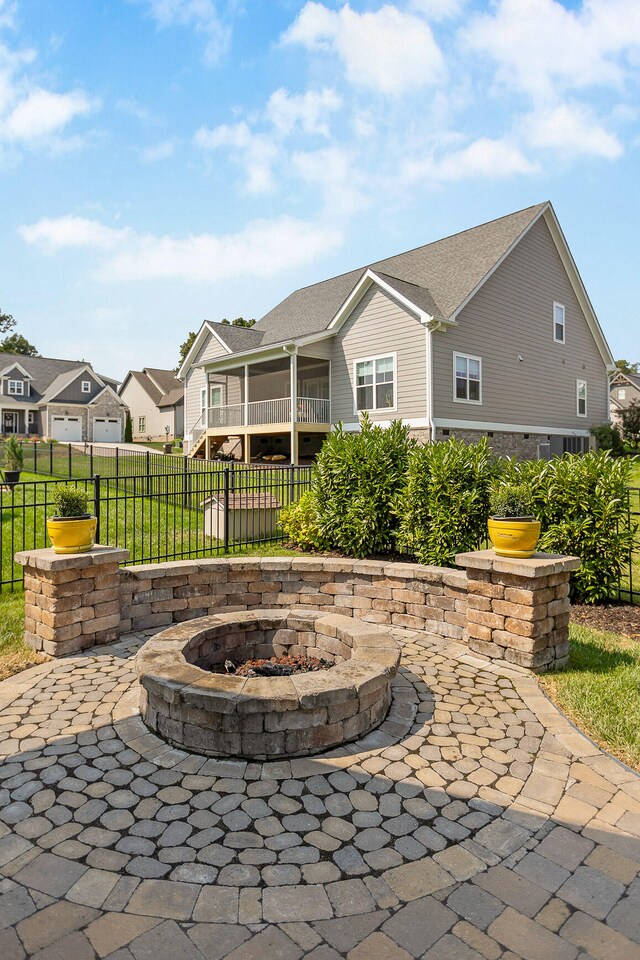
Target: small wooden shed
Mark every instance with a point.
(250, 516)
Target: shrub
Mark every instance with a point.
(13, 454)
(631, 423)
(70, 501)
(445, 502)
(511, 500)
(582, 504)
(608, 438)
(128, 429)
(299, 522)
(356, 481)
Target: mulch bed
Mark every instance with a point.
(273, 667)
(621, 618)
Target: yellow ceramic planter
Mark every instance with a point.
(514, 537)
(73, 535)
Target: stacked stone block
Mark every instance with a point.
(71, 602)
(518, 609)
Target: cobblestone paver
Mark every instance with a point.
(475, 823)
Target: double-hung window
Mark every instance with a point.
(622, 393)
(581, 398)
(558, 322)
(86, 386)
(467, 378)
(16, 387)
(142, 424)
(376, 383)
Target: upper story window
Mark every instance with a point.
(622, 393)
(16, 387)
(142, 424)
(86, 386)
(581, 398)
(375, 380)
(467, 378)
(558, 322)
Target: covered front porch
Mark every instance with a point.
(18, 422)
(276, 410)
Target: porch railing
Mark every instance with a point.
(265, 412)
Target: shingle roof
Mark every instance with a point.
(172, 391)
(238, 338)
(437, 277)
(45, 372)
(165, 379)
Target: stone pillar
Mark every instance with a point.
(71, 601)
(518, 610)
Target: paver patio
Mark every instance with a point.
(478, 823)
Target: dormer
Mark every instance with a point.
(16, 381)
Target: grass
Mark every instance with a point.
(600, 690)
(14, 654)
(634, 478)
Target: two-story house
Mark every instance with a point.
(59, 399)
(625, 387)
(489, 332)
(155, 399)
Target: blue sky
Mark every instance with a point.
(167, 161)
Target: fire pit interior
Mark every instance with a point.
(188, 697)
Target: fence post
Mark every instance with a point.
(292, 483)
(226, 474)
(148, 473)
(51, 458)
(96, 499)
(35, 456)
(69, 459)
(91, 460)
(117, 462)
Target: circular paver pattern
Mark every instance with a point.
(474, 822)
(82, 785)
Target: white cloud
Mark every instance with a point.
(570, 128)
(389, 50)
(263, 248)
(7, 13)
(308, 110)
(484, 158)
(201, 15)
(163, 150)
(42, 113)
(256, 152)
(438, 9)
(335, 171)
(541, 45)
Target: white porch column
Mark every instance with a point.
(246, 443)
(293, 361)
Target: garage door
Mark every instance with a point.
(106, 431)
(67, 429)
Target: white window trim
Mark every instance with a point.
(85, 386)
(379, 356)
(564, 322)
(466, 356)
(622, 393)
(216, 386)
(580, 383)
(142, 429)
(16, 393)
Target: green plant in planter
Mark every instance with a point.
(13, 455)
(511, 501)
(70, 502)
(72, 529)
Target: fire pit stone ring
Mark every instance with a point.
(263, 718)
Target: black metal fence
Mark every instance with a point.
(159, 516)
(629, 586)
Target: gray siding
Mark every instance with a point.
(196, 379)
(15, 375)
(631, 391)
(378, 326)
(511, 315)
(73, 392)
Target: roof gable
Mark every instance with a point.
(16, 366)
(66, 379)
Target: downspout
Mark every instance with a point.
(429, 350)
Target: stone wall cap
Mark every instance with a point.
(539, 565)
(46, 559)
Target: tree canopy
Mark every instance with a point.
(624, 366)
(188, 343)
(16, 343)
(238, 322)
(7, 322)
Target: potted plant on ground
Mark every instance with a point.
(13, 461)
(72, 529)
(512, 530)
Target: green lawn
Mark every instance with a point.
(634, 480)
(600, 690)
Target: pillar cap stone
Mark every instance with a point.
(46, 559)
(539, 565)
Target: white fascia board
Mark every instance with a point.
(578, 287)
(205, 330)
(269, 351)
(16, 366)
(73, 376)
(366, 280)
(508, 427)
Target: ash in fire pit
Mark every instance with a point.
(274, 666)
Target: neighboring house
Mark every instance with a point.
(155, 399)
(489, 332)
(624, 389)
(59, 399)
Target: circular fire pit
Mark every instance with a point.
(222, 715)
